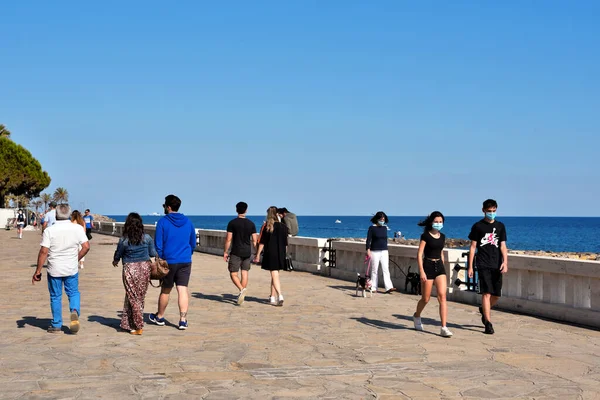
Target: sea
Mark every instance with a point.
(556, 234)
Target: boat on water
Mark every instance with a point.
(337, 221)
(155, 214)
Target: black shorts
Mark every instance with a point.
(236, 262)
(433, 269)
(88, 233)
(179, 274)
(490, 281)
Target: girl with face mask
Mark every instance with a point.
(377, 251)
(431, 268)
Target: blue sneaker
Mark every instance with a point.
(183, 325)
(158, 321)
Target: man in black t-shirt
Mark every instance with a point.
(240, 231)
(488, 237)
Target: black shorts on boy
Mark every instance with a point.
(490, 281)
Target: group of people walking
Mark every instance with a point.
(65, 242)
(488, 254)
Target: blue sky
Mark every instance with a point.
(325, 107)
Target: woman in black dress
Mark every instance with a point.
(274, 240)
(431, 268)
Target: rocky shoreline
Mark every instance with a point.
(464, 244)
(102, 218)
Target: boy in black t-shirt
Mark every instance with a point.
(488, 237)
(240, 232)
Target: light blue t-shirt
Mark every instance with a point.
(50, 218)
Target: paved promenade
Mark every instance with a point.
(324, 342)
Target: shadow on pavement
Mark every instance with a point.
(375, 323)
(106, 321)
(42, 323)
(436, 323)
(228, 298)
(224, 298)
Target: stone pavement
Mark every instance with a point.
(324, 342)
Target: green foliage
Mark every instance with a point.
(61, 195)
(46, 198)
(4, 132)
(20, 173)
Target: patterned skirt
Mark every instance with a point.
(136, 277)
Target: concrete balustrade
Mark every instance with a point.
(561, 289)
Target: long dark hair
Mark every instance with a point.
(378, 215)
(133, 230)
(427, 223)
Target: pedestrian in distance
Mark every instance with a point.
(490, 255)
(274, 241)
(135, 248)
(430, 258)
(175, 242)
(50, 216)
(77, 218)
(20, 223)
(89, 223)
(241, 236)
(377, 251)
(63, 245)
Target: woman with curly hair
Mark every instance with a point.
(135, 249)
(77, 218)
(274, 240)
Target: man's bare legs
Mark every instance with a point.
(183, 302)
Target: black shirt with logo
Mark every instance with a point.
(433, 246)
(488, 236)
(242, 230)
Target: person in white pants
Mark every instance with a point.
(377, 251)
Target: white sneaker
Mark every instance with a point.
(280, 302)
(417, 322)
(272, 301)
(445, 332)
(241, 296)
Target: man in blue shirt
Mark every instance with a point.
(175, 242)
(88, 218)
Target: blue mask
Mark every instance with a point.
(381, 223)
(437, 225)
(490, 215)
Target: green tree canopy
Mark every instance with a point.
(20, 173)
(4, 132)
(61, 195)
(46, 198)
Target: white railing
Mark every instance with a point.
(560, 289)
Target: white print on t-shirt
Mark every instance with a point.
(490, 238)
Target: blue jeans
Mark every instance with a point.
(55, 287)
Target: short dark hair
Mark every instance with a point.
(490, 203)
(241, 207)
(378, 215)
(87, 210)
(173, 201)
(427, 223)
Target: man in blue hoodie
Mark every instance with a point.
(175, 241)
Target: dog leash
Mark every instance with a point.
(368, 262)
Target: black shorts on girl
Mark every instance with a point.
(433, 269)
